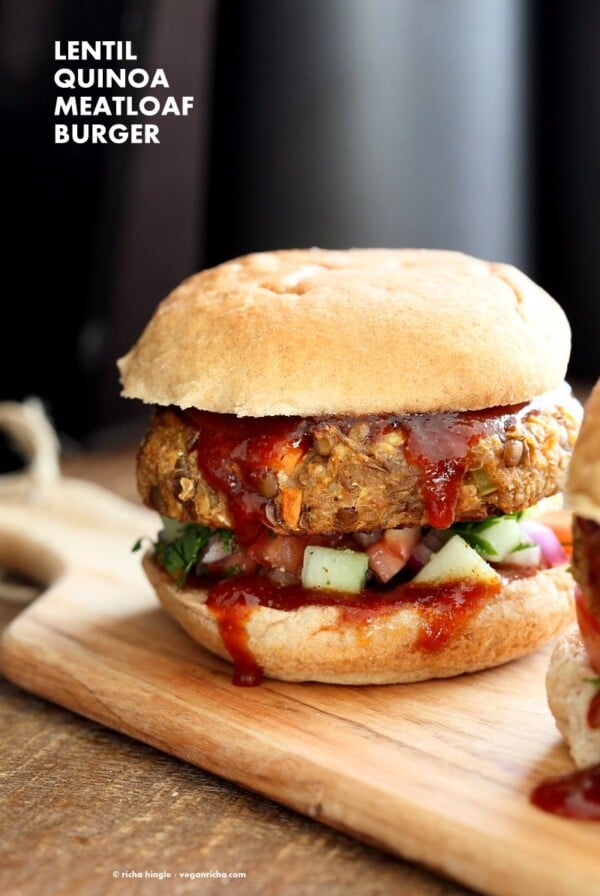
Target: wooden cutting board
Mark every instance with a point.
(438, 772)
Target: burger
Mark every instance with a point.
(573, 679)
(348, 450)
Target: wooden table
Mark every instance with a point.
(86, 811)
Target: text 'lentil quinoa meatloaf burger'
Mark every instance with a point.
(345, 450)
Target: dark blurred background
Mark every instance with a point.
(466, 124)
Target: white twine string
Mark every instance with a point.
(32, 435)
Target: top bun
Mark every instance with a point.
(314, 332)
(583, 485)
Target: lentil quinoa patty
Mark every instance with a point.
(354, 474)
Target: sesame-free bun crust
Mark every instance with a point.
(569, 696)
(313, 332)
(583, 485)
(314, 643)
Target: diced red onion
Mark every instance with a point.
(552, 550)
(364, 539)
(270, 514)
(281, 577)
(215, 550)
(431, 544)
(383, 562)
(390, 553)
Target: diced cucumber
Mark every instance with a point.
(171, 528)
(454, 562)
(530, 556)
(334, 570)
(503, 536)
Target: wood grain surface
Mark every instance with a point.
(79, 801)
(438, 772)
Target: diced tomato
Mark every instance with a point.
(389, 555)
(402, 542)
(383, 562)
(286, 552)
(279, 551)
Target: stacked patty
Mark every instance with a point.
(354, 475)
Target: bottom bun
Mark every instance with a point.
(315, 643)
(569, 697)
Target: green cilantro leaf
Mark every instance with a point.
(470, 532)
(179, 554)
(523, 546)
(138, 545)
(595, 681)
(227, 537)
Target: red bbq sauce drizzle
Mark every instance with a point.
(443, 611)
(574, 796)
(237, 454)
(439, 446)
(232, 609)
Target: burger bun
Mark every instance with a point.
(316, 643)
(363, 331)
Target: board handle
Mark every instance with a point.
(33, 436)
